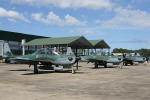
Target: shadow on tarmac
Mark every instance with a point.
(21, 70)
(50, 72)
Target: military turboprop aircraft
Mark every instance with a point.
(48, 57)
(136, 59)
(102, 60)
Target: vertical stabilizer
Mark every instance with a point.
(55, 49)
(69, 51)
(6, 50)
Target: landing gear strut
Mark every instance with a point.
(105, 65)
(96, 64)
(36, 69)
(73, 70)
(77, 66)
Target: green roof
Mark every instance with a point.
(99, 44)
(74, 42)
(52, 41)
(94, 42)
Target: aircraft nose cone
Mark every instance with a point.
(78, 58)
(119, 59)
(70, 58)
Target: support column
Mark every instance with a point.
(3, 48)
(72, 70)
(77, 66)
(76, 53)
(23, 47)
(84, 52)
(23, 50)
(96, 64)
(59, 48)
(109, 51)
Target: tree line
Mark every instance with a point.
(144, 52)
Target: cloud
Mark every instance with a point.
(90, 4)
(53, 19)
(13, 15)
(11, 20)
(134, 41)
(86, 31)
(81, 32)
(127, 19)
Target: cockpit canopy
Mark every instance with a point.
(132, 54)
(53, 51)
(49, 51)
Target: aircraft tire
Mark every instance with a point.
(131, 63)
(105, 65)
(96, 65)
(6, 61)
(36, 69)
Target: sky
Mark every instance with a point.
(121, 23)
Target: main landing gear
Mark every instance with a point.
(96, 64)
(36, 71)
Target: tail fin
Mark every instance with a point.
(69, 51)
(55, 49)
(6, 50)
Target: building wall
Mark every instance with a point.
(14, 40)
(1, 47)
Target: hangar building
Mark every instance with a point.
(14, 40)
(79, 44)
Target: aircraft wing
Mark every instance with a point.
(114, 60)
(23, 60)
(139, 59)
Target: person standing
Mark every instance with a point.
(147, 59)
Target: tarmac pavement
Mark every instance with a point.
(17, 82)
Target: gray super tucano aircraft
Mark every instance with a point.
(47, 57)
